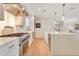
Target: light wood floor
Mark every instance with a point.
(38, 48)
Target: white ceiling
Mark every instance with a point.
(71, 9)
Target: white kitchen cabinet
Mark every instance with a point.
(14, 52)
(9, 47)
(31, 25)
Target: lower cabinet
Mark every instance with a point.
(10, 48)
(14, 52)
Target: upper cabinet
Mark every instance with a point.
(15, 9)
(1, 12)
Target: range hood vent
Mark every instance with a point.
(15, 9)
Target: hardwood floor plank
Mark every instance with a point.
(38, 48)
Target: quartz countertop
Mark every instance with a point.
(50, 32)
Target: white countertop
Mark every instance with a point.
(50, 32)
(4, 40)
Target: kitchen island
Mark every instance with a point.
(63, 43)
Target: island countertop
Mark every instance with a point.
(50, 32)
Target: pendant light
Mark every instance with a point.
(56, 29)
(55, 23)
(55, 15)
(63, 17)
(52, 28)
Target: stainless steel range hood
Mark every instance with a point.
(15, 9)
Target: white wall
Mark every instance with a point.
(46, 24)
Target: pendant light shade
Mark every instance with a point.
(63, 17)
(61, 26)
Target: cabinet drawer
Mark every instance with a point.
(9, 46)
(14, 52)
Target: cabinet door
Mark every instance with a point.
(14, 52)
(8, 47)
